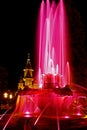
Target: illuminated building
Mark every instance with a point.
(27, 82)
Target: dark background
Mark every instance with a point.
(17, 37)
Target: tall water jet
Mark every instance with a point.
(55, 98)
(53, 41)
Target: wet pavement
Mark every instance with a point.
(23, 123)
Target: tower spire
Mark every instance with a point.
(28, 55)
(28, 63)
(28, 73)
(28, 80)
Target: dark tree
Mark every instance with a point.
(3, 78)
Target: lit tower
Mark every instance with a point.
(28, 73)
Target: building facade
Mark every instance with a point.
(27, 81)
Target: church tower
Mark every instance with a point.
(28, 73)
(27, 80)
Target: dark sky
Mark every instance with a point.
(17, 31)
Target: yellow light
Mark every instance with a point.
(10, 96)
(85, 116)
(5, 95)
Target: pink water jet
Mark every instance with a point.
(56, 96)
(55, 90)
(53, 42)
(56, 99)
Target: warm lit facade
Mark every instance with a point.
(28, 80)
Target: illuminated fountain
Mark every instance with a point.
(56, 96)
(52, 39)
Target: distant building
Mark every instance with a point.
(27, 81)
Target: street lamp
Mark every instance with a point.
(5, 95)
(10, 96)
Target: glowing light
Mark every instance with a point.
(10, 96)
(79, 114)
(66, 117)
(5, 95)
(27, 112)
(85, 116)
(27, 115)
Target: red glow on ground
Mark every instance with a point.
(52, 103)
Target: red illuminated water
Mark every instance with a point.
(56, 97)
(53, 41)
(45, 109)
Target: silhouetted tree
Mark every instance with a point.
(3, 78)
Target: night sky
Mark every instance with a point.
(17, 37)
